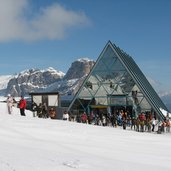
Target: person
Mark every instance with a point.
(153, 124)
(22, 106)
(9, 103)
(65, 116)
(44, 111)
(104, 122)
(167, 123)
(52, 113)
(84, 118)
(163, 126)
(39, 110)
(142, 119)
(124, 120)
(34, 108)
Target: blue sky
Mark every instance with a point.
(54, 33)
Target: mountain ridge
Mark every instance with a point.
(48, 79)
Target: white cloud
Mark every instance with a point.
(51, 22)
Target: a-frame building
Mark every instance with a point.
(116, 82)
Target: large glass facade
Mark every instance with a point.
(109, 86)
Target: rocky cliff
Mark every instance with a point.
(34, 80)
(79, 68)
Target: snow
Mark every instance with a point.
(49, 69)
(36, 144)
(53, 71)
(165, 113)
(4, 79)
(84, 59)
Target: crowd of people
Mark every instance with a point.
(42, 111)
(144, 122)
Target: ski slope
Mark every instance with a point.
(34, 144)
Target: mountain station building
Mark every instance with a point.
(116, 83)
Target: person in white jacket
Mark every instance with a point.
(153, 124)
(10, 102)
(65, 116)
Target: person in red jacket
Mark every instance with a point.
(22, 106)
(84, 118)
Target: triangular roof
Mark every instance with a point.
(117, 68)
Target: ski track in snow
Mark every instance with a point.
(5, 166)
(72, 164)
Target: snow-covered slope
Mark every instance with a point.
(163, 93)
(4, 79)
(33, 144)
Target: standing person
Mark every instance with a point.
(104, 121)
(9, 103)
(167, 123)
(22, 106)
(84, 118)
(153, 124)
(52, 113)
(124, 120)
(65, 116)
(34, 108)
(44, 111)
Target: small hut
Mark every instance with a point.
(43, 104)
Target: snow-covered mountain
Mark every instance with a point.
(4, 79)
(32, 80)
(164, 94)
(79, 68)
(166, 97)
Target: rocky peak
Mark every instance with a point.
(31, 80)
(79, 68)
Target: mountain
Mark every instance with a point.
(164, 94)
(32, 80)
(79, 68)
(73, 78)
(4, 79)
(166, 97)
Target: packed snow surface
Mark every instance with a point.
(36, 144)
